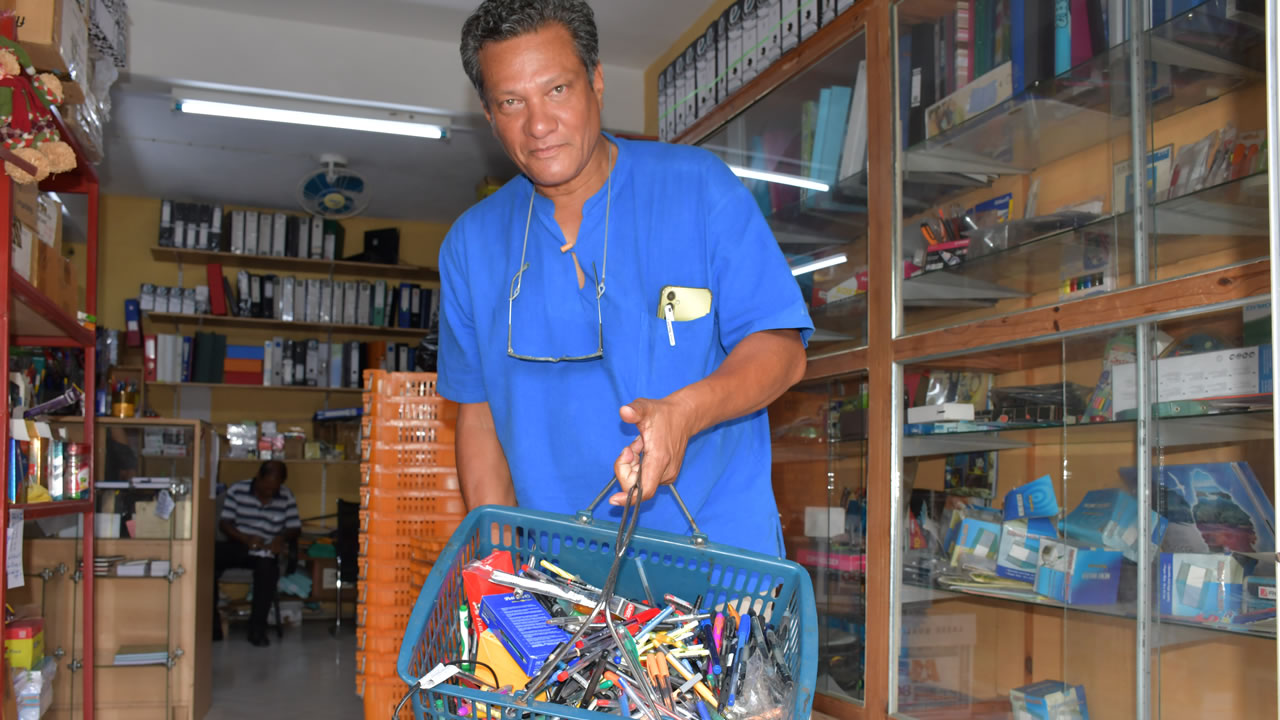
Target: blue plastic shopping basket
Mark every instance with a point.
(673, 563)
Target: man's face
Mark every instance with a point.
(269, 483)
(543, 107)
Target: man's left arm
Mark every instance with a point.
(759, 369)
(763, 325)
(292, 528)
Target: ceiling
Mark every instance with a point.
(633, 33)
(153, 150)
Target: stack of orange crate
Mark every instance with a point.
(410, 505)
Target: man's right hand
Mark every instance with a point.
(277, 545)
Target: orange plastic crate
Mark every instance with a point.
(410, 408)
(383, 618)
(407, 431)
(377, 642)
(389, 548)
(400, 384)
(412, 454)
(377, 665)
(382, 572)
(380, 697)
(387, 595)
(419, 502)
(402, 525)
(409, 479)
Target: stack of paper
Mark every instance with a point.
(142, 655)
(159, 568)
(132, 568)
(105, 565)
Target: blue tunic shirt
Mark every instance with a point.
(677, 216)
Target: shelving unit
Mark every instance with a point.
(268, 325)
(1181, 266)
(220, 387)
(301, 265)
(28, 318)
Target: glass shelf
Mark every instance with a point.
(1260, 629)
(1175, 431)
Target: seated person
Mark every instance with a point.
(259, 518)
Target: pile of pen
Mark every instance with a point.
(668, 659)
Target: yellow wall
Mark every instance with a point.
(651, 73)
(128, 227)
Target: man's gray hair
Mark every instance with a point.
(497, 20)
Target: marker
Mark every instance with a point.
(708, 641)
(739, 656)
(698, 686)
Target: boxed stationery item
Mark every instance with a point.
(975, 537)
(1020, 547)
(1216, 375)
(24, 642)
(1049, 700)
(1077, 575)
(1036, 499)
(54, 34)
(1109, 518)
(521, 624)
(972, 100)
(1211, 507)
(1207, 586)
(955, 520)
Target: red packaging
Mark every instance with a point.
(476, 583)
(76, 479)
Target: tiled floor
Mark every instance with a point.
(308, 674)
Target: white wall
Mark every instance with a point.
(178, 44)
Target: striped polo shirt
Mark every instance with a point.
(251, 517)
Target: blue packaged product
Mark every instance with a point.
(1033, 500)
(1020, 547)
(1212, 507)
(1207, 587)
(521, 625)
(1109, 518)
(1077, 575)
(1049, 700)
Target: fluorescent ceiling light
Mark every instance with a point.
(780, 178)
(819, 264)
(311, 114)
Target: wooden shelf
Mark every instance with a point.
(272, 388)
(36, 317)
(290, 462)
(52, 509)
(269, 325)
(302, 265)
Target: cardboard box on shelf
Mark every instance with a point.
(49, 221)
(55, 35)
(24, 642)
(26, 204)
(22, 251)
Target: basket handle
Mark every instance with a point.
(697, 537)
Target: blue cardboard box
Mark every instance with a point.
(1076, 575)
(1212, 508)
(521, 625)
(1020, 547)
(956, 518)
(975, 536)
(1036, 499)
(1049, 700)
(1207, 587)
(1109, 518)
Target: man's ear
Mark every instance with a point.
(597, 83)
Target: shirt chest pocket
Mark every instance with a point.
(681, 352)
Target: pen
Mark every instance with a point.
(664, 681)
(718, 631)
(700, 687)
(702, 711)
(709, 642)
(739, 656)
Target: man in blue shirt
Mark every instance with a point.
(621, 308)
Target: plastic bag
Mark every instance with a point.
(764, 692)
